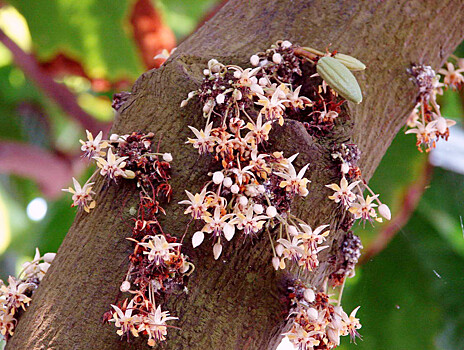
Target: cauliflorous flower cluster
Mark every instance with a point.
(318, 322)
(156, 266)
(17, 294)
(349, 192)
(426, 120)
(253, 188)
(346, 259)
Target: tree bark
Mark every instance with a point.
(236, 302)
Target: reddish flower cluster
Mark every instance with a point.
(426, 120)
(318, 321)
(17, 294)
(254, 188)
(157, 266)
(346, 156)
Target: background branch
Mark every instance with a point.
(57, 92)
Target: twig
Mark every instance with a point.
(50, 171)
(57, 92)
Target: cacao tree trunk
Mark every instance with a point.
(237, 301)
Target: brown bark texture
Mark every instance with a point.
(236, 302)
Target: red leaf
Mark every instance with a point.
(150, 33)
(62, 65)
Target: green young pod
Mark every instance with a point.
(350, 62)
(339, 78)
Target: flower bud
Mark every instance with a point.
(254, 60)
(286, 44)
(309, 295)
(217, 250)
(312, 313)
(275, 262)
(218, 177)
(234, 189)
(262, 81)
(214, 65)
(208, 106)
(229, 231)
(276, 58)
(237, 95)
(258, 209)
(167, 157)
(243, 200)
(48, 257)
(197, 238)
(227, 182)
(220, 98)
(384, 210)
(292, 230)
(345, 168)
(271, 211)
(125, 286)
(279, 249)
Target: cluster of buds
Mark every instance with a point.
(344, 193)
(426, 120)
(17, 294)
(157, 267)
(318, 322)
(253, 188)
(346, 259)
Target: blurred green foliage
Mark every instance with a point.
(410, 294)
(95, 33)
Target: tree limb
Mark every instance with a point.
(234, 303)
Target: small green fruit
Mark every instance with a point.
(350, 62)
(339, 78)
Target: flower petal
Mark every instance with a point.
(217, 250)
(198, 238)
(229, 231)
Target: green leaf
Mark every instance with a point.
(444, 202)
(94, 32)
(184, 16)
(395, 294)
(421, 271)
